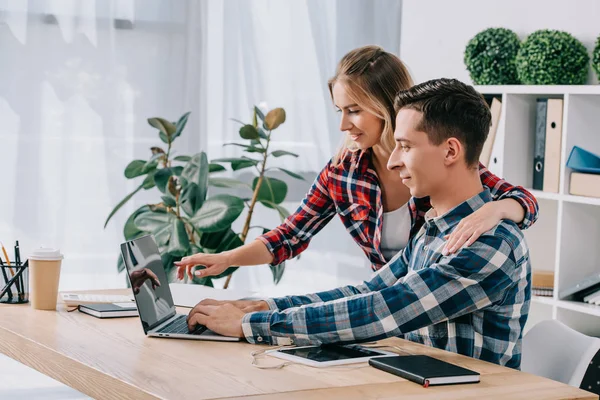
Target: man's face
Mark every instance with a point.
(420, 164)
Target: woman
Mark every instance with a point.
(370, 200)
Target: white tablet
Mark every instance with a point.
(329, 355)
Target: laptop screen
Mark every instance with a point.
(148, 281)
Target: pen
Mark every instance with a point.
(5, 280)
(14, 278)
(19, 282)
(7, 259)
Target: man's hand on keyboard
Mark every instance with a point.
(246, 306)
(223, 319)
(139, 277)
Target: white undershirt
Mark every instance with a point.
(395, 232)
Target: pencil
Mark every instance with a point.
(6, 280)
(7, 259)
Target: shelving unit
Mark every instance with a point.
(566, 238)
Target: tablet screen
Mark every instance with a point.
(330, 352)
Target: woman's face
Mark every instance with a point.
(362, 127)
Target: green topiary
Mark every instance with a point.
(490, 57)
(552, 58)
(596, 58)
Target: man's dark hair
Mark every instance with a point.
(450, 109)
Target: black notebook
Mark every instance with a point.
(425, 370)
(109, 310)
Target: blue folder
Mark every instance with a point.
(581, 160)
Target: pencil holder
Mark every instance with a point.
(14, 283)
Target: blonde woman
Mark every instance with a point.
(374, 205)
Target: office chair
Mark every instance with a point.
(553, 350)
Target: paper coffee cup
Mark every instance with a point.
(44, 275)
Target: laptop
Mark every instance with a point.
(155, 303)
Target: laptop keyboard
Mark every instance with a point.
(179, 325)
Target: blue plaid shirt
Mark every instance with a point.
(474, 302)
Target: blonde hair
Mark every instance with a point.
(372, 78)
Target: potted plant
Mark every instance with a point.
(188, 219)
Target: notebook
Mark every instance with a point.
(425, 370)
(109, 310)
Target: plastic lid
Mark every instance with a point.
(45, 253)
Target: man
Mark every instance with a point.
(474, 302)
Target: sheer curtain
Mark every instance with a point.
(282, 52)
(79, 78)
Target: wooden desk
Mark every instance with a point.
(113, 359)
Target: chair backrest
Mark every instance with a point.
(553, 350)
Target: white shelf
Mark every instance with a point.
(566, 237)
(543, 300)
(565, 197)
(585, 308)
(539, 89)
(545, 195)
(581, 199)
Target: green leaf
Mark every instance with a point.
(248, 132)
(277, 271)
(272, 190)
(290, 173)
(134, 169)
(188, 198)
(227, 183)
(213, 240)
(249, 149)
(181, 124)
(122, 203)
(183, 158)
(180, 242)
(215, 167)
(161, 178)
(169, 201)
(130, 230)
(218, 213)
(274, 118)
(279, 153)
(237, 165)
(262, 134)
(283, 212)
(178, 170)
(259, 113)
(232, 159)
(163, 137)
(149, 181)
(196, 174)
(163, 125)
(238, 121)
(158, 224)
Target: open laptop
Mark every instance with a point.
(155, 303)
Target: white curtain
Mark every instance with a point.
(79, 78)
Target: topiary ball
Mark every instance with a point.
(549, 57)
(596, 58)
(490, 57)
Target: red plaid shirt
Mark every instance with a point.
(352, 191)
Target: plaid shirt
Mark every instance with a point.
(352, 191)
(474, 302)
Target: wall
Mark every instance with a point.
(435, 32)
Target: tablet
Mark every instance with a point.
(329, 355)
